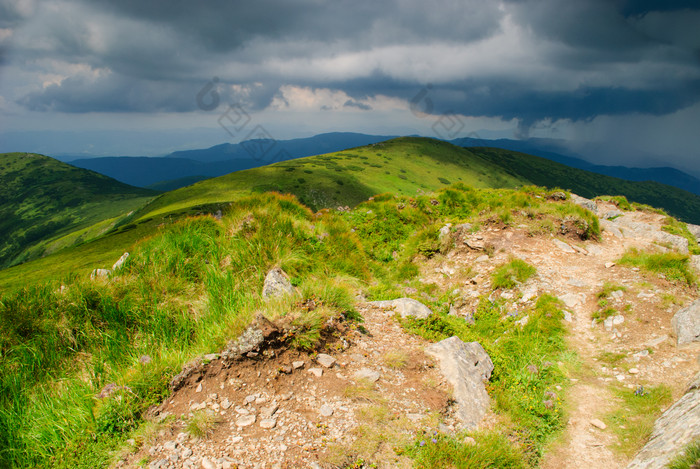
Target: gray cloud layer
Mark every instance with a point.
(524, 59)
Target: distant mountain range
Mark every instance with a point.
(182, 168)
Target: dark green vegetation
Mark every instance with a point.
(542, 172)
(42, 199)
(196, 284)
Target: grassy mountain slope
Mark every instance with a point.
(543, 172)
(42, 199)
(405, 166)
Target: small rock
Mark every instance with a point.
(207, 464)
(298, 364)
(226, 404)
(469, 441)
(199, 388)
(269, 410)
(325, 360)
(245, 421)
(633, 371)
(483, 258)
(317, 372)
(277, 284)
(564, 246)
(186, 453)
(326, 410)
(523, 321)
(268, 423)
(368, 374)
(598, 424)
(607, 266)
(169, 446)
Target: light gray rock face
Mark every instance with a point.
(564, 246)
(695, 230)
(277, 284)
(120, 262)
(406, 307)
(465, 366)
(628, 225)
(676, 427)
(695, 263)
(584, 202)
(686, 324)
(100, 274)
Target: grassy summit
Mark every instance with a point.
(42, 200)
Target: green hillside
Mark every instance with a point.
(46, 205)
(543, 172)
(404, 166)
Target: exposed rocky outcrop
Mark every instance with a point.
(695, 230)
(686, 324)
(277, 284)
(466, 366)
(676, 427)
(100, 274)
(584, 202)
(406, 307)
(120, 262)
(631, 227)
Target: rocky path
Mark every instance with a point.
(575, 272)
(295, 410)
(375, 388)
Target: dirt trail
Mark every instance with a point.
(576, 273)
(274, 412)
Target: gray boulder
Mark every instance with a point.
(277, 284)
(686, 324)
(466, 366)
(406, 307)
(100, 274)
(695, 230)
(585, 203)
(676, 427)
(120, 262)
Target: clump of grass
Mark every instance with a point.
(489, 449)
(202, 423)
(608, 288)
(672, 265)
(364, 391)
(611, 358)
(510, 274)
(688, 458)
(673, 226)
(396, 359)
(619, 200)
(634, 419)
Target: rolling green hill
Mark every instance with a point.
(543, 172)
(403, 166)
(46, 205)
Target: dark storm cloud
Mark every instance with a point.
(594, 56)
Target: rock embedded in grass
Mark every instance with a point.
(277, 284)
(406, 307)
(465, 366)
(686, 324)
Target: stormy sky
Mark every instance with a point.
(619, 80)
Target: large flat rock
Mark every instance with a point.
(466, 366)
